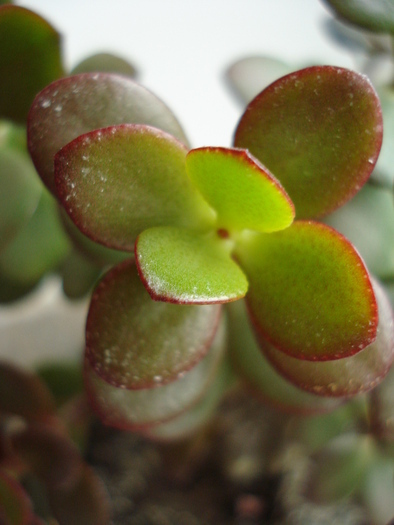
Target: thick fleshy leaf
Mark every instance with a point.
(105, 63)
(374, 15)
(20, 192)
(15, 505)
(136, 343)
(309, 291)
(179, 266)
(384, 171)
(139, 409)
(39, 247)
(378, 491)
(78, 104)
(86, 502)
(30, 59)
(348, 376)
(24, 394)
(248, 76)
(259, 374)
(381, 410)
(116, 182)
(319, 131)
(241, 190)
(368, 222)
(339, 468)
(51, 456)
(78, 275)
(200, 414)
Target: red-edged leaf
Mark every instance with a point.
(178, 266)
(29, 59)
(81, 103)
(309, 292)
(259, 375)
(136, 343)
(319, 131)
(241, 190)
(348, 376)
(139, 409)
(118, 181)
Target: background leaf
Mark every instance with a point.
(374, 15)
(105, 63)
(68, 108)
(30, 59)
(319, 131)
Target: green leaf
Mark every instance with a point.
(23, 393)
(137, 343)
(30, 59)
(15, 505)
(20, 192)
(79, 275)
(309, 291)
(78, 104)
(373, 15)
(259, 375)
(140, 409)
(105, 63)
(384, 172)
(118, 181)
(250, 75)
(40, 246)
(381, 410)
(240, 189)
(348, 376)
(368, 222)
(378, 491)
(318, 131)
(179, 266)
(339, 468)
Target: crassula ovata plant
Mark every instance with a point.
(211, 226)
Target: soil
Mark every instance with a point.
(225, 476)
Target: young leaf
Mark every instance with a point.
(30, 59)
(140, 409)
(319, 131)
(243, 192)
(348, 376)
(15, 505)
(257, 373)
(179, 266)
(309, 292)
(116, 182)
(136, 343)
(105, 63)
(374, 15)
(248, 76)
(78, 104)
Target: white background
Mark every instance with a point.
(182, 47)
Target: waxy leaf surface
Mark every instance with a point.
(309, 291)
(136, 343)
(348, 376)
(30, 59)
(374, 15)
(256, 371)
(138, 409)
(243, 193)
(15, 505)
(182, 267)
(248, 76)
(78, 104)
(319, 131)
(105, 63)
(118, 181)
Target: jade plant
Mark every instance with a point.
(43, 477)
(35, 240)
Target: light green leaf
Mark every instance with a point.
(243, 192)
(181, 267)
(374, 15)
